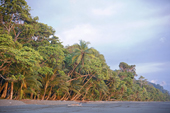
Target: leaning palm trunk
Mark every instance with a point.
(49, 94)
(87, 89)
(1, 88)
(35, 96)
(66, 97)
(45, 89)
(78, 95)
(53, 97)
(5, 90)
(69, 74)
(63, 97)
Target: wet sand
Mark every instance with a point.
(35, 106)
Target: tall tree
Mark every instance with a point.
(14, 17)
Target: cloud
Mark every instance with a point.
(119, 34)
(144, 68)
(119, 29)
(83, 31)
(154, 81)
(163, 83)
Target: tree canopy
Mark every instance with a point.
(34, 64)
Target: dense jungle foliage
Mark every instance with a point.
(35, 65)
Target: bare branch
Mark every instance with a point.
(77, 78)
(5, 78)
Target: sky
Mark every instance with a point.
(133, 31)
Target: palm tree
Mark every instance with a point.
(47, 77)
(59, 80)
(80, 53)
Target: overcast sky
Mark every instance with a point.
(132, 31)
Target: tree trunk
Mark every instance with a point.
(45, 89)
(35, 97)
(101, 96)
(87, 89)
(1, 88)
(21, 91)
(67, 96)
(12, 87)
(72, 70)
(63, 97)
(38, 96)
(5, 90)
(31, 96)
(49, 94)
(53, 97)
(81, 89)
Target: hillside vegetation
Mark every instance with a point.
(35, 65)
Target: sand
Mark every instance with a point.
(4, 102)
(39, 106)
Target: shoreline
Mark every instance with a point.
(47, 106)
(7, 102)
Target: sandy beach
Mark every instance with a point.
(43, 106)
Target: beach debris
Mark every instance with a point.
(79, 104)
